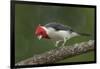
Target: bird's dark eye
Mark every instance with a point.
(41, 32)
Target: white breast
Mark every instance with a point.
(57, 35)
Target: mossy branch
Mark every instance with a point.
(59, 53)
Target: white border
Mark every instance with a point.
(5, 34)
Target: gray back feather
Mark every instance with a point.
(58, 26)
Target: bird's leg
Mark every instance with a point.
(57, 42)
(64, 41)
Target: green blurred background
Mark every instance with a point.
(27, 17)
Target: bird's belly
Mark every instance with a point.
(59, 35)
(56, 37)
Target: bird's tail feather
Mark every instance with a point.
(85, 34)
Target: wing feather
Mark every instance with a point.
(58, 26)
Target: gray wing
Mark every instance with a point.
(58, 26)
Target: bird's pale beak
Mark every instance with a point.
(39, 37)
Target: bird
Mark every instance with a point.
(57, 32)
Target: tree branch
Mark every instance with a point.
(59, 53)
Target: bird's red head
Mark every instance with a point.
(41, 32)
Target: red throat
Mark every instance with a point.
(41, 31)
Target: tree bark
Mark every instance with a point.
(59, 53)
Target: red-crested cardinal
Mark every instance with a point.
(55, 31)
